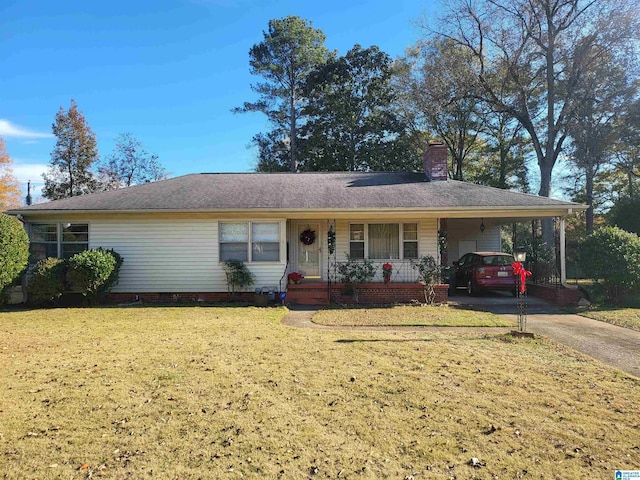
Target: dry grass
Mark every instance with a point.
(232, 393)
(405, 315)
(625, 317)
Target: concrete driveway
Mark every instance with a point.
(616, 346)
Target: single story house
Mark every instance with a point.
(175, 234)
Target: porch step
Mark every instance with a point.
(308, 294)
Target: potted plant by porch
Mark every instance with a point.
(387, 269)
(295, 278)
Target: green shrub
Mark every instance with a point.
(46, 282)
(14, 250)
(430, 274)
(613, 256)
(238, 276)
(354, 272)
(90, 271)
(114, 278)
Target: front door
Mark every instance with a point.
(309, 247)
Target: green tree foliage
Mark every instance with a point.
(273, 152)
(73, 157)
(605, 91)
(352, 126)
(290, 50)
(14, 250)
(130, 164)
(613, 256)
(530, 56)
(91, 270)
(502, 154)
(625, 178)
(625, 214)
(46, 281)
(438, 86)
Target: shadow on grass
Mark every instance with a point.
(390, 340)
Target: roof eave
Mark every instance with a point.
(449, 212)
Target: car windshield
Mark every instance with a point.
(497, 260)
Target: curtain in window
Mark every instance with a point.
(384, 240)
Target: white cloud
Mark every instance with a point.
(7, 129)
(29, 171)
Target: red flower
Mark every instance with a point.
(387, 268)
(295, 276)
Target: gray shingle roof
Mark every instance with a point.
(287, 191)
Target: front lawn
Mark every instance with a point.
(625, 317)
(405, 315)
(203, 392)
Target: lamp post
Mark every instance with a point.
(520, 255)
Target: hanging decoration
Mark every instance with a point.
(520, 271)
(331, 240)
(482, 227)
(308, 237)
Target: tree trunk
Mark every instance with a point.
(292, 133)
(590, 174)
(545, 191)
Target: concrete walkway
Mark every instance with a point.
(613, 345)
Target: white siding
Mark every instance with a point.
(469, 229)
(173, 256)
(428, 237)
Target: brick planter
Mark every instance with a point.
(558, 295)
(381, 293)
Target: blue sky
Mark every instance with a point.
(168, 71)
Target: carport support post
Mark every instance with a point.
(563, 255)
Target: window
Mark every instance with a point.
(263, 237)
(75, 239)
(382, 241)
(57, 240)
(43, 240)
(410, 240)
(356, 240)
(234, 239)
(265, 242)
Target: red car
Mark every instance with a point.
(478, 271)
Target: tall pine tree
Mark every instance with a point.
(291, 49)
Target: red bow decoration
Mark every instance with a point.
(518, 269)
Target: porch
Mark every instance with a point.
(318, 249)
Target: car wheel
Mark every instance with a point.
(471, 290)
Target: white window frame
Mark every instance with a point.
(404, 240)
(249, 224)
(401, 239)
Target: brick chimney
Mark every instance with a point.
(434, 162)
